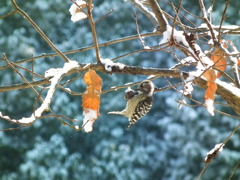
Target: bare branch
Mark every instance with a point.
(223, 17)
(8, 14)
(106, 15)
(57, 75)
(108, 43)
(204, 15)
(145, 11)
(234, 170)
(16, 71)
(94, 33)
(43, 35)
(159, 15)
(24, 85)
(138, 32)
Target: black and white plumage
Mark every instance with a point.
(139, 102)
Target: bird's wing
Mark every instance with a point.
(142, 108)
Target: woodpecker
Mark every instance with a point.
(139, 102)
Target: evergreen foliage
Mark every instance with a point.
(168, 143)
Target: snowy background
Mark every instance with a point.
(168, 143)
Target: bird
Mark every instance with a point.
(139, 102)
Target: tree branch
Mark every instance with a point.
(94, 33)
(204, 15)
(223, 17)
(159, 15)
(108, 43)
(43, 35)
(227, 91)
(145, 11)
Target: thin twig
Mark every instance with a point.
(9, 14)
(13, 129)
(94, 33)
(60, 116)
(138, 32)
(136, 83)
(32, 70)
(70, 92)
(24, 79)
(27, 70)
(211, 10)
(188, 12)
(204, 15)
(106, 15)
(225, 141)
(154, 48)
(159, 15)
(176, 18)
(43, 35)
(108, 43)
(146, 12)
(23, 85)
(203, 170)
(223, 17)
(234, 170)
(71, 80)
(180, 23)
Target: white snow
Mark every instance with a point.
(210, 42)
(129, 83)
(128, 89)
(210, 10)
(233, 89)
(210, 107)
(77, 127)
(207, 61)
(86, 66)
(70, 65)
(188, 87)
(204, 25)
(166, 35)
(108, 64)
(232, 27)
(76, 14)
(177, 35)
(89, 118)
(5, 117)
(215, 150)
(59, 72)
(191, 76)
(147, 47)
(151, 76)
(56, 75)
(188, 59)
(51, 72)
(67, 66)
(182, 102)
(228, 27)
(68, 89)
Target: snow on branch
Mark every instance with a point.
(109, 64)
(56, 75)
(139, 5)
(213, 152)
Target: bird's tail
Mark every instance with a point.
(116, 112)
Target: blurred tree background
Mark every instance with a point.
(168, 143)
